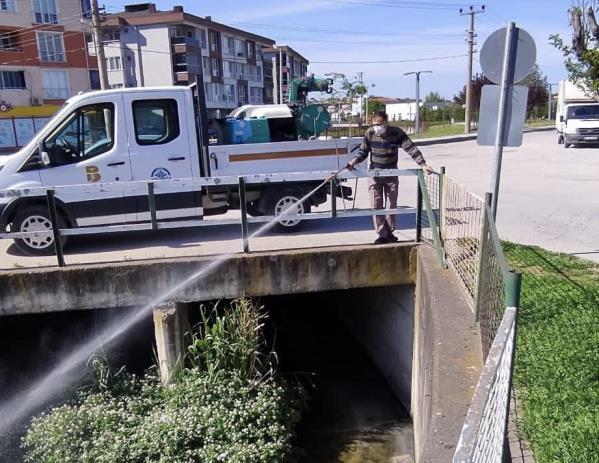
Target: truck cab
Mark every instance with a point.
(124, 138)
(577, 119)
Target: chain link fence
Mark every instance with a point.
(460, 224)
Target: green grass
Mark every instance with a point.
(557, 364)
(443, 130)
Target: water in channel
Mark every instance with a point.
(353, 415)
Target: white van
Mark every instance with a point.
(124, 135)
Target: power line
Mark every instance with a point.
(390, 61)
(288, 27)
(404, 4)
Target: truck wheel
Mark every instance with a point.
(287, 199)
(567, 143)
(36, 219)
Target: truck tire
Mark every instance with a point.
(567, 143)
(36, 218)
(279, 200)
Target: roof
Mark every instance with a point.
(286, 49)
(177, 15)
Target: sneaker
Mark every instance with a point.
(381, 240)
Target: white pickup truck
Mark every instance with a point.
(577, 119)
(141, 134)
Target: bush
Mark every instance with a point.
(217, 409)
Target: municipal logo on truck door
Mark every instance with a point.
(93, 174)
(160, 173)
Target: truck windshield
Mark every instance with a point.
(583, 112)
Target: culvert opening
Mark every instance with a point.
(353, 351)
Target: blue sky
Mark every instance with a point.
(331, 32)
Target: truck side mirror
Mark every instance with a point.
(44, 157)
(562, 119)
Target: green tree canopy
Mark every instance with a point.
(582, 57)
(433, 97)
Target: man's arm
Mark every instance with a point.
(409, 147)
(363, 152)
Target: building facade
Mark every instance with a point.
(43, 54)
(282, 64)
(148, 47)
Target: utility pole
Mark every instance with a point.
(471, 36)
(99, 44)
(417, 117)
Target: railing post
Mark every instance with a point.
(482, 256)
(432, 220)
(152, 205)
(333, 198)
(513, 287)
(244, 216)
(55, 227)
(441, 214)
(418, 212)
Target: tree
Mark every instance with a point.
(538, 90)
(582, 57)
(478, 82)
(375, 105)
(433, 97)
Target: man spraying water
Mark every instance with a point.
(382, 142)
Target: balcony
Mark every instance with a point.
(184, 40)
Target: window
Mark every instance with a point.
(94, 79)
(202, 38)
(256, 95)
(228, 69)
(8, 41)
(156, 121)
(242, 94)
(112, 35)
(12, 79)
(7, 5)
(228, 45)
(51, 46)
(86, 9)
(251, 49)
(114, 63)
(229, 92)
(216, 67)
(213, 41)
(45, 12)
(206, 68)
(240, 48)
(86, 133)
(56, 84)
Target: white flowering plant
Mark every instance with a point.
(218, 408)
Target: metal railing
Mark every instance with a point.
(154, 188)
(471, 248)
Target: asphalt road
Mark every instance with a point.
(549, 197)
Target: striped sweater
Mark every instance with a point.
(383, 148)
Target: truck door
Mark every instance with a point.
(89, 146)
(160, 150)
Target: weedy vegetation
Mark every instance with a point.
(227, 404)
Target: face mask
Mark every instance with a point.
(379, 129)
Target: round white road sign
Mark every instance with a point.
(491, 55)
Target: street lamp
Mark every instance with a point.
(417, 119)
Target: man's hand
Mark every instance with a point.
(427, 169)
(350, 165)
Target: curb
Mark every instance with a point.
(470, 136)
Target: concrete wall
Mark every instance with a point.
(447, 360)
(381, 319)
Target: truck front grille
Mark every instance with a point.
(589, 131)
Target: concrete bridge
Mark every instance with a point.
(404, 309)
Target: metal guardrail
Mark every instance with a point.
(154, 188)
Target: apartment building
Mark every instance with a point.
(282, 65)
(43, 54)
(146, 47)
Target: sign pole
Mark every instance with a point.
(507, 85)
